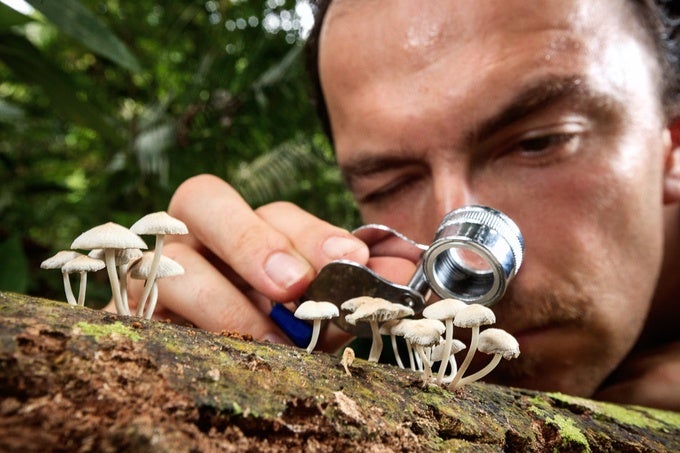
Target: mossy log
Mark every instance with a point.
(76, 379)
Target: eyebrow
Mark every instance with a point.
(542, 94)
(533, 98)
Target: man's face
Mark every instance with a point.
(546, 110)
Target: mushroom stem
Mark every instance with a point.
(70, 298)
(483, 372)
(316, 328)
(157, 252)
(122, 278)
(377, 344)
(393, 339)
(153, 298)
(427, 370)
(447, 350)
(411, 361)
(109, 259)
(82, 289)
(468, 358)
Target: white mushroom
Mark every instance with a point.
(438, 355)
(374, 310)
(316, 311)
(445, 310)
(424, 333)
(82, 265)
(497, 342)
(386, 329)
(57, 261)
(141, 270)
(399, 330)
(122, 259)
(110, 237)
(473, 316)
(158, 224)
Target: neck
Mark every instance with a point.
(661, 326)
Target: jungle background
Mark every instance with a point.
(106, 106)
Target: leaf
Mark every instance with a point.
(10, 113)
(14, 266)
(10, 18)
(73, 19)
(31, 66)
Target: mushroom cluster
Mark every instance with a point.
(428, 340)
(119, 250)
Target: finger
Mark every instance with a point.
(208, 300)
(318, 241)
(220, 219)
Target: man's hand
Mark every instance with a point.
(237, 260)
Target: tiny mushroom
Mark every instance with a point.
(473, 316)
(497, 342)
(438, 355)
(110, 237)
(399, 330)
(386, 329)
(122, 259)
(445, 310)
(158, 224)
(316, 311)
(82, 265)
(374, 310)
(424, 333)
(141, 270)
(347, 359)
(57, 261)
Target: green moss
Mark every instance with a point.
(570, 433)
(630, 415)
(101, 330)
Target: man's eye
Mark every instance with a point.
(390, 191)
(545, 142)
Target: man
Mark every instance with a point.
(560, 113)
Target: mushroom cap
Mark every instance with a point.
(58, 260)
(424, 332)
(444, 309)
(167, 267)
(387, 326)
(159, 223)
(121, 257)
(456, 346)
(108, 236)
(352, 304)
(474, 315)
(83, 263)
(378, 309)
(317, 310)
(498, 341)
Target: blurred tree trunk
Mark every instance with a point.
(76, 379)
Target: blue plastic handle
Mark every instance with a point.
(296, 329)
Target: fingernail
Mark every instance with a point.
(339, 247)
(286, 270)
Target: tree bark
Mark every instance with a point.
(76, 379)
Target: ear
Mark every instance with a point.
(671, 192)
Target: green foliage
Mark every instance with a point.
(107, 106)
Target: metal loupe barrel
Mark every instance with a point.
(476, 252)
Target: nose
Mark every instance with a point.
(451, 191)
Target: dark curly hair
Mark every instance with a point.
(659, 18)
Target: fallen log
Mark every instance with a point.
(77, 379)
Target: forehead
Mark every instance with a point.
(381, 56)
